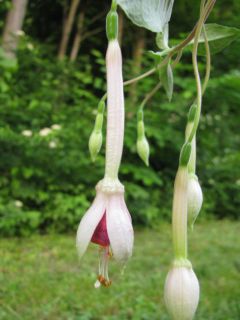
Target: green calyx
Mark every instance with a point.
(140, 116)
(101, 106)
(182, 263)
(185, 155)
(112, 24)
(192, 113)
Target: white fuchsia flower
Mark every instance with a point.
(181, 292)
(108, 222)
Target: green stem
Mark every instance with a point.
(150, 95)
(179, 214)
(114, 5)
(196, 71)
(208, 61)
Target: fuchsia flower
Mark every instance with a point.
(108, 222)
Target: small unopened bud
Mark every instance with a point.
(143, 150)
(181, 293)
(142, 143)
(195, 198)
(95, 143)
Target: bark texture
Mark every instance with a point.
(14, 23)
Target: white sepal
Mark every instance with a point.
(181, 293)
(89, 223)
(119, 227)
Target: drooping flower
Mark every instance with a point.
(181, 292)
(108, 222)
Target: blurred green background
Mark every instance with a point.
(48, 102)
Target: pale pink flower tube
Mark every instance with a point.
(115, 110)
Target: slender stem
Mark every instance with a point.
(144, 75)
(150, 95)
(178, 58)
(114, 5)
(179, 214)
(192, 160)
(177, 49)
(208, 61)
(196, 71)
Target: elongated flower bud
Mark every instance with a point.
(142, 143)
(95, 143)
(95, 140)
(143, 150)
(195, 198)
(181, 293)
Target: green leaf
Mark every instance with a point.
(166, 78)
(219, 37)
(152, 15)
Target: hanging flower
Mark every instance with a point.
(108, 222)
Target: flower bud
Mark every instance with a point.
(143, 150)
(181, 293)
(195, 198)
(142, 144)
(112, 25)
(95, 143)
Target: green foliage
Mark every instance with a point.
(219, 37)
(47, 112)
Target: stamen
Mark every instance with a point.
(103, 278)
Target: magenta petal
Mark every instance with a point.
(100, 235)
